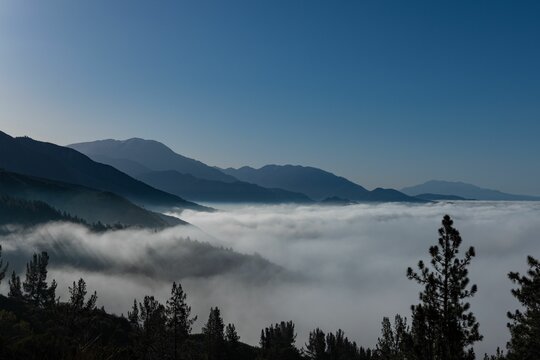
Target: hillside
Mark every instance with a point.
(30, 157)
(89, 204)
(190, 187)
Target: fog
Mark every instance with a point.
(320, 266)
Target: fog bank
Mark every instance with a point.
(320, 266)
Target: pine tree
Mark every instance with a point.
(133, 315)
(179, 320)
(396, 342)
(78, 296)
(214, 335)
(232, 340)
(35, 286)
(231, 336)
(15, 287)
(277, 342)
(316, 346)
(153, 325)
(525, 324)
(443, 326)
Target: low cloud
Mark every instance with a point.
(320, 266)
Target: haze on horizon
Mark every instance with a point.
(385, 93)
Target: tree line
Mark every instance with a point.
(35, 324)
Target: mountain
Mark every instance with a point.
(27, 156)
(440, 197)
(190, 187)
(158, 166)
(315, 183)
(464, 190)
(152, 155)
(88, 204)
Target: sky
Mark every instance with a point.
(385, 93)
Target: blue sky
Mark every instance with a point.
(386, 93)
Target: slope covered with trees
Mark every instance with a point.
(85, 203)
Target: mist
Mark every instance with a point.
(321, 266)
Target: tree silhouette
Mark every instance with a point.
(232, 340)
(78, 296)
(179, 320)
(525, 324)
(316, 345)
(444, 328)
(15, 287)
(277, 342)
(36, 289)
(214, 335)
(153, 329)
(396, 342)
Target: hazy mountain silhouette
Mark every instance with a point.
(463, 190)
(151, 154)
(315, 183)
(190, 187)
(157, 165)
(334, 200)
(89, 204)
(27, 156)
(440, 197)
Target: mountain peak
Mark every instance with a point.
(150, 154)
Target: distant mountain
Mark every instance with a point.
(158, 166)
(89, 204)
(464, 190)
(315, 183)
(152, 155)
(440, 197)
(27, 156)
(190, 187)
(334, 200)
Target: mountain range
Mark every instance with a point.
(24, 155)
(464, 190)
(116, 183)
(159, 166)
(315, 183)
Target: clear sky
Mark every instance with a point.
(386, 93)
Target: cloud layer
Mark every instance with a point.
(331, 267)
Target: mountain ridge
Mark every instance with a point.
(50, 161)
(316, 183)
(131, 157)
(464, 190)
(153, 155)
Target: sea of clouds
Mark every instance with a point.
(333, 267)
